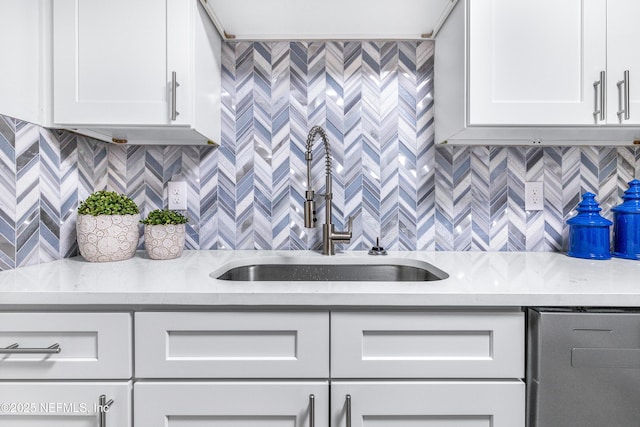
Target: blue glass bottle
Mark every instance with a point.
(626, 224)
(589, 233)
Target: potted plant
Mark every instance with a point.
(164, 233)
(107, 227)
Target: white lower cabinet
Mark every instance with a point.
(356, 404)
(231, 404)
(427, 404)
(271, 368)
(65, 369)
(445, 368)
(65, 404)
(406, 368)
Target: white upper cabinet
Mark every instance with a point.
(538, 71)
(622, 55)
(328, 19)
(535, 61)
(111, 61)
(136, 71)
(20, 83)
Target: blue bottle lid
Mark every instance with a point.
(631, 199)
(588, 213)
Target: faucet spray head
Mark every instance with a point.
(309, 210)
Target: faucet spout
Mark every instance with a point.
(329, 236)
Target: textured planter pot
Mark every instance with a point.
(106, 238)
(164, 241)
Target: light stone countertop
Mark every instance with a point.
(483, 279)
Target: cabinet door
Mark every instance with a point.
(535, 61)
(231, 404)
(623, 38)
(428, 404)
(19, 80)
(113, 60)
(64, 404)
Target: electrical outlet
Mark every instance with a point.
(177, 195)
(533, 196)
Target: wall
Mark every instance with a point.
(375, 99)
(42, 172)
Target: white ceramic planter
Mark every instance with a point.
(106, 238)
(164, 241)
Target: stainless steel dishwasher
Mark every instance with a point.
(583, 368)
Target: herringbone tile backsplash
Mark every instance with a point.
(375, 99)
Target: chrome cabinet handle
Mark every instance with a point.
(623, 97)
(348, 399)
(599, 87)
(627, 111)
(174, 90)
(312, 410)
(15, 349)
(103, 407)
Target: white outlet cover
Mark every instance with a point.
(177, 195)
(533, 196)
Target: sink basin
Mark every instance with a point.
(333, 272)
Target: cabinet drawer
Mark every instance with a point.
(90, 345)
(232, 345)
(427, 345)
(64, 404)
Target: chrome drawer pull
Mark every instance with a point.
(103, 407)
(312, 410)
(348, 398)
(15, 349)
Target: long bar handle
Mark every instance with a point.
(600, 89)
(103, 408)
(174, 91)
(15, 349)
(312, 410)
(623, 105)
(348, 403)
(627, 111)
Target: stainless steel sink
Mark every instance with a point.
(333, 272)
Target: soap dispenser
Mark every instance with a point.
(626, 224)
(589, 234)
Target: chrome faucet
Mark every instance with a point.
(329, 235)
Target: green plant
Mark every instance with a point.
(164, 217)
(108, 203)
